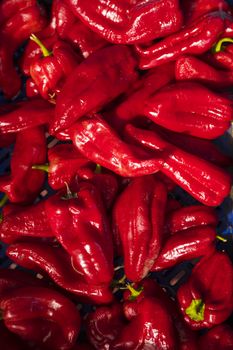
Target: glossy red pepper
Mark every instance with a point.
(194, 39)
(203, 180)
(97, 141)
(29, 221)
(71, 29)
(185, 245)
(43, 316)
(223, 54)
(24, 183)
(218, 338)
(206, 299)
(80, 224)
(24, 115)
(104, 324)
(31, 89)
(114, 70)
(192, 68)
(52, 69)
(128, 22)
(9, 8)
(191, 216)
(57, 264)
(190, 108)
(138, 218)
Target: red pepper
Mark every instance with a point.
(65, 163)
(95, 139)
(24, 115)
(223, 54)
(196, 39)
(24, 184)
(31, 88)
(57, 264)
(51, 71)
(190, 217)
(138, 217)
(194, 9)
(114, 70)
(8, 8)
(9, 341)
(192, 68)
(203, 180)
(206, 299)
(7, 139)
(218, 338)
(128, 22)
(80, 224)
(43, 316)
(30, 221)
(71, 29)
(186, 245)
(190, 108)
(104, 324)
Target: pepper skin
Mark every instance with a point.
(190, 108)
(24, 115)
(57, 264)
(65, 163)
(80, 224)
(72, 30)
(191, 216)
(51, 71)
(29, 221)
(95, 139)
(218, 338)
(186, 245)
(138, 218)
(41, 315)
(24, 184)
(206, 182)
(206, 299)
(9, 8)
(194, 39)
(9, 341)
(192, 68)
(31, 89)
(152, 327)
(114, 70)
(224, 57)
(104, 324)
(128, 22)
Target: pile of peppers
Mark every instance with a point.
(133, 95)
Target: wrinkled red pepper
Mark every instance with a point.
(57, 264)
(114, 70)
(41, 315)
(128, 22)
(206, 299)
(194, 39)
(24, 184)
(80, 224)
(138, 219)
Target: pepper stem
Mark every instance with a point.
(98, 169)
(218, 46)
(44, 167)
(221, 239)
(45, 51)
(134, 292)
(3, 200)
(196, 310)
(69, 194)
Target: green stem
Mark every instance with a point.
(44, 167)
(221, 239)
(45, 51)
(218, 46)
(69, 194)
(98, 169)
(3, 200)
(134, 292)
(196, 310)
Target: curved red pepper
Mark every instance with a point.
(190, 108)
(80, 225)
(218, 338)
(128, 22)
(57, 264)
(24, 184)
(114, 70)
(206, 299)
(41, 315)
(203, 180)
(138, 216)
(195, 39)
